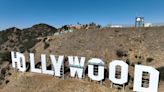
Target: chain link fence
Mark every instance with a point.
(133, 25)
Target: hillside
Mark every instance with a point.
(23, 39)
(128, 44)
(43, 83)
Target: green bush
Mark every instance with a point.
(149, 59)
(30, 44)
(5, 56)
(46, 45)
(121, 53)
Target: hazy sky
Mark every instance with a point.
(25, 13)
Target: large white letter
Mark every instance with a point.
(20, 60)
(57, 64)
(44, 66)
(100, 63)
(153, 79)
(32, 63)
(76, 67)
(124, 72)
(15, 59)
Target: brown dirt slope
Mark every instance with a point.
(139, 47)
(42, 83)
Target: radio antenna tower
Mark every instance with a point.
(139, 22)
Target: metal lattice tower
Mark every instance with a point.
(139, 22)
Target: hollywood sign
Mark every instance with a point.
(77, 66)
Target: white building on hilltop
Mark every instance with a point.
(148, 25)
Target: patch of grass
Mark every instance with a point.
(7, 81)
(121, 53)
(29, 44)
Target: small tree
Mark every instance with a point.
(46, 45)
